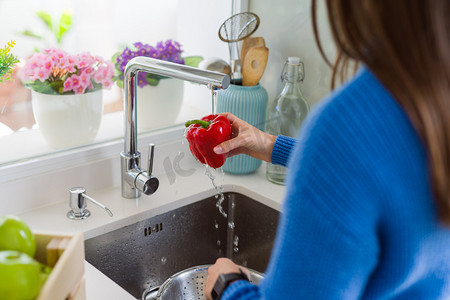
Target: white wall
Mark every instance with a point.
(286, 27)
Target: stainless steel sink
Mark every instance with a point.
(148, 252)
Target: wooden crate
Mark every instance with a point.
(66, 281)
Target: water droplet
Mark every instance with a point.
(236, 241)
(231, 225)
(163, 260)
(219, 243)
(216, 225)
(236, 249)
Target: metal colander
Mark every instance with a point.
(187, 285)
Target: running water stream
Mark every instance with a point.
(213, 100)
(209, 171)
(218, 187)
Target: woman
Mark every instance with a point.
(367, 208)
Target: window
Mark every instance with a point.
(101, 27)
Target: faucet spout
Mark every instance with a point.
(130, 157)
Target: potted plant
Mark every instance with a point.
(159, 98)
(7, 62)
(66, 92)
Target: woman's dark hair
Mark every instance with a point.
(406, 44)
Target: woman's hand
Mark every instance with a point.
(222, 266)
(246, 139)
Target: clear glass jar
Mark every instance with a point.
(287, 112)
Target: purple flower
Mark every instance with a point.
(153, 53)
(141, 80)
(168, 50)
(138, 45)
(177, 59)
(160, 46)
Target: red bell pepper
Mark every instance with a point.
(203, 135)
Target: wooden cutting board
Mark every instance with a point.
(254, 65)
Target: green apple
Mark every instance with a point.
(20, 276)
(45, 272)
(16, 235)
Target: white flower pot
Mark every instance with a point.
(159, 106)
(68, 120)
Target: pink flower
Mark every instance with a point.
(49, 64)
(54, 57)
(34, 62)
(60, 54)
(42, 74)
(107, 84)
(28, 71)
(99, 59)
(85, 59)
(75, 80)
(66, 73)
(82, 64)
(85, 79)
(98, 77)
(68, 84)
(73, 59)
(79, 90)
(88, 71)
(63, 63)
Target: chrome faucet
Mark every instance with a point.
(134, 179)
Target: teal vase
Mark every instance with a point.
(248, 103)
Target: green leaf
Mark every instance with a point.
(119, 83)
(31, 34)
(114, 57)
(46, 18)
(116, 65)
(51, 88)
(192, 61)
(152, 80)
(65, 24)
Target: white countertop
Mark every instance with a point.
(172, 193)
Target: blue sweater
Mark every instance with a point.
(359, 220)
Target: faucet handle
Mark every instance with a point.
(151, 153)
(145, 181)
(78, 204)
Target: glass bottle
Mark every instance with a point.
(287, 112)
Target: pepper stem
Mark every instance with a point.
(204, 124)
